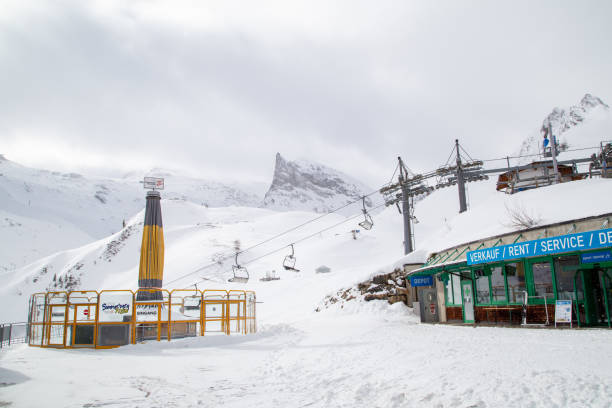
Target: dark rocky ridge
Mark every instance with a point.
(308, 186)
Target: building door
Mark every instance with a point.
(56, 326)
(597, 286)
(468, 301)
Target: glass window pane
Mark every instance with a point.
(498, 284)
(482, 288)
(449, 290)
(515, 274)
(565, 270)
(457, 289)
(542, 279)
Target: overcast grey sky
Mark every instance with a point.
(217, 88)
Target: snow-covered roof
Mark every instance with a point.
(458, 255)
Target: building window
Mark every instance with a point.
(482, 287)
(565, 270)
(449, 290)
(457, 289)
(453, 290)
(542, 279)
(515, 274)
(498, 285)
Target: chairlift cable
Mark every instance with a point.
(308, 222)
(296, 242)
(309, 236)
(466, 153)
(226, 257)
(449, 157)
(393, 175)
(539, 154)
(301, 239)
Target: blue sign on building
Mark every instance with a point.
(564, 243)
(593, 257)
(421, 281)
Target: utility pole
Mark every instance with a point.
(460, 180)
(553, 150)
(403, 176)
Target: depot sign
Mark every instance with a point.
(565, 243)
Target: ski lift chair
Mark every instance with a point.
(241, 274)
(289, 262)
(191, 306)
(367, 222)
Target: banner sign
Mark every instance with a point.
(421, 281)
(541, 247)
(153, 183)
(596, 257)
(563, 311)
(116, 308)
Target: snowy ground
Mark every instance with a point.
(365, 355)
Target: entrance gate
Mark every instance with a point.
(81, 319)
(55, 319)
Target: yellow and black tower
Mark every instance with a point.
(151, 273)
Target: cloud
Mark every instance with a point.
(217, 88)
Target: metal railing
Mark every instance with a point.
(13, 333)
(112, 318)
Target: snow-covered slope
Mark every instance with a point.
(42, 212)
(303, 185)
(583, 125)
(489, 213)
(196, 236)
(208, 193)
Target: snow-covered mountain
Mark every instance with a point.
(42, 212)
(208, 193)
(562, 120)
(582, 125)
(308, 186)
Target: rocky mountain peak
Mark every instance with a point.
(309, 186)
(562, 120)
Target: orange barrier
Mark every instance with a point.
(113, 318)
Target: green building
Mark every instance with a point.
(518, 278)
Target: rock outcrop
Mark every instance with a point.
(390, 287)
(306, 186)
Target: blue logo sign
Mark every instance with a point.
(541, 247)
(421, 281)
(596, 257)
